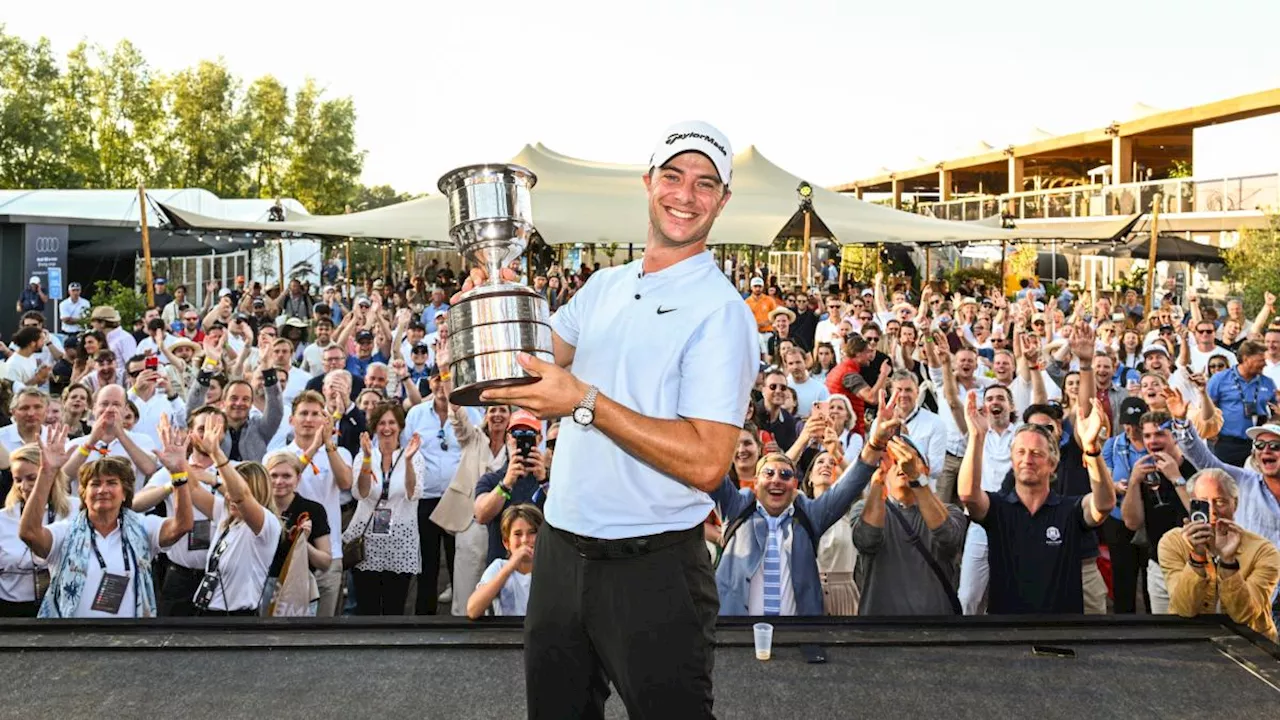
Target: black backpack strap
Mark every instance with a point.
(731, 528)
(918, 543)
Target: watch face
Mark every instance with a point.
(583, 416)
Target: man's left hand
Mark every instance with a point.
(554, 395)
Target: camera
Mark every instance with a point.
(525, 440)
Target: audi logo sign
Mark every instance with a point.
(48, 244)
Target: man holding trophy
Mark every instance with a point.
(654, 363)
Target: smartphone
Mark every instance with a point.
(1052, 651)
(152, 362)
(1199, 511)
(813, 654)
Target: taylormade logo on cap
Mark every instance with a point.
(699, 137)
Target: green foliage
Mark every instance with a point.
(1180, 169)
(988, 276)
(105, 119)
(1253, 265)
(130, 304)
(1135, 280)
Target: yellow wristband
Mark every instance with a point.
(446, 376)
(210, 362)
(304, 459)
(178, 476)
(368, 461)
(84, 450)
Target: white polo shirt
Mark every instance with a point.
(678, 343)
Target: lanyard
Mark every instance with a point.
(386, 476)
(93, 543)
(1250, 405)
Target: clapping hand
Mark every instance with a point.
(415, 444)
(907, 459)
(366, 444)
(53, 448)
(173, 446)
(976, 415)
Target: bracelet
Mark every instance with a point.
(503, 491)
(178, 483)
(1093, 454)
(1233, 565)
(880, 448)
(224, 464)
(304, 459)
(210, 362)
(367, 461)
(84, 450)
(178, 476)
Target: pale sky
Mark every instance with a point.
(832, 91)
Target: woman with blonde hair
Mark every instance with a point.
(836, 554)
(23, 577)
(244, 523)
(297, 513)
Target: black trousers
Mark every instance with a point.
(1126, 561)
(1232, 450)
(430, 537)
(380, 592)
(178, 591)
(645, 622)
(19, 609)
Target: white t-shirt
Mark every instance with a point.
(807, 393)
(243, 564)
(317, 484)
(72, 309)
(180, 553)
(513, 599)
(1200, 360)
(148, 345)
(112, 550)
(17, 564)
(21, 369)
(678, 343)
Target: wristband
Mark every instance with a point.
(84, 450)
(368, 460)
(304, 459)
(502, 490)
(1093, 454)
(880, 448)
(1222, 565)
(446, 376)
(210, 362)
(177, 484)
(178, 478)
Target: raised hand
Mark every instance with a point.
(1226, 539)
(887, 424)
(907, 459)
(976, 415)
(173, 446)
(1177, 404)
(1030, 347)
(366, 444)
(415, 444)
(1270, 299)
(212, 349)
(53, 447)
(211, 440)
(1090, 426)
(1084, 342)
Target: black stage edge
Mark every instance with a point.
(439, 667)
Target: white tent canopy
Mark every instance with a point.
(580, 201)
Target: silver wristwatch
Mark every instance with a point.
(585, 413)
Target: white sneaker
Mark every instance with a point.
(446, 597)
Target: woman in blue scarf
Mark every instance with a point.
(100, 558)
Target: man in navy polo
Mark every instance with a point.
(664, 354)
(1034, 535)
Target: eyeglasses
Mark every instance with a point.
(1272, 445)
(444, 444)
(785, 473)
(776, 386)
(1205, 332)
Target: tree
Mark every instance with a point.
(266, 117)
(1253, 265)
(128, 121)
(30, 134)
(209, 134)
(376, 196)
(324, 162)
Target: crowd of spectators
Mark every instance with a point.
(907, 451)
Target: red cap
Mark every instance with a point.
(524, 418)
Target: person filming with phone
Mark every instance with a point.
(517, 483)
(1212, 565)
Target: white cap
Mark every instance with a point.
(35, 280)
(696, 136)
(1254, 432)
(1155, 347)
(756, 281)
(223, 292)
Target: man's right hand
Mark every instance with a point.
(1199, 535)
(1177, 404)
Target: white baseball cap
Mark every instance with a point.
(1155, 347)
(1254, 432)
(35, 280)
(695, 136)
(757, 282)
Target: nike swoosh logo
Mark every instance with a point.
(664, 311)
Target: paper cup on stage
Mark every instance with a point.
(491, 221)
(764, 640)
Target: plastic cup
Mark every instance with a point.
(764, 640)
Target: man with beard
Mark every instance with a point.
(1244, 394)
(806, 322)
(809, 389)
(246, 438)
(771, 417)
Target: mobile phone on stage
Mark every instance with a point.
(813, 654)
(1052, 651)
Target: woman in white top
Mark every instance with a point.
(100, 558)
(386, 489)
(836, 554)
(23, 577)
(245, 528)
(504, 586)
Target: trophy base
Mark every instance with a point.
(474, 375)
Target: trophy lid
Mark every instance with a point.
(486, 173)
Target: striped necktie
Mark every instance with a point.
(773, 566)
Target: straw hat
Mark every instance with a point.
(105, 313)
(781, 310)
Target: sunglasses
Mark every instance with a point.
(444, 444)
(785, 473)
(871, 338)
(1272, 445)
(1204, 332)
(775, 386)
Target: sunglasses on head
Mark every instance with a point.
(784, 473)
(1272, 445)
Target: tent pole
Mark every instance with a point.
(280, 252)
(1151, 254)
(1004, 244)
(146, 244)
(806, 280)
(347, 267)
(928, 260)
(408, 256)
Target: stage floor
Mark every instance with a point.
(429, 668)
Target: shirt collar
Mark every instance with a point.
(690, 265)
(1012, 498)
(791, 509)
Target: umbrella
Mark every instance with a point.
(1170, 248)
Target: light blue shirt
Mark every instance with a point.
(513, 598)
(678, 343)
(429, 316)
(1240, 400)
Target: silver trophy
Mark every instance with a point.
(491, 220)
